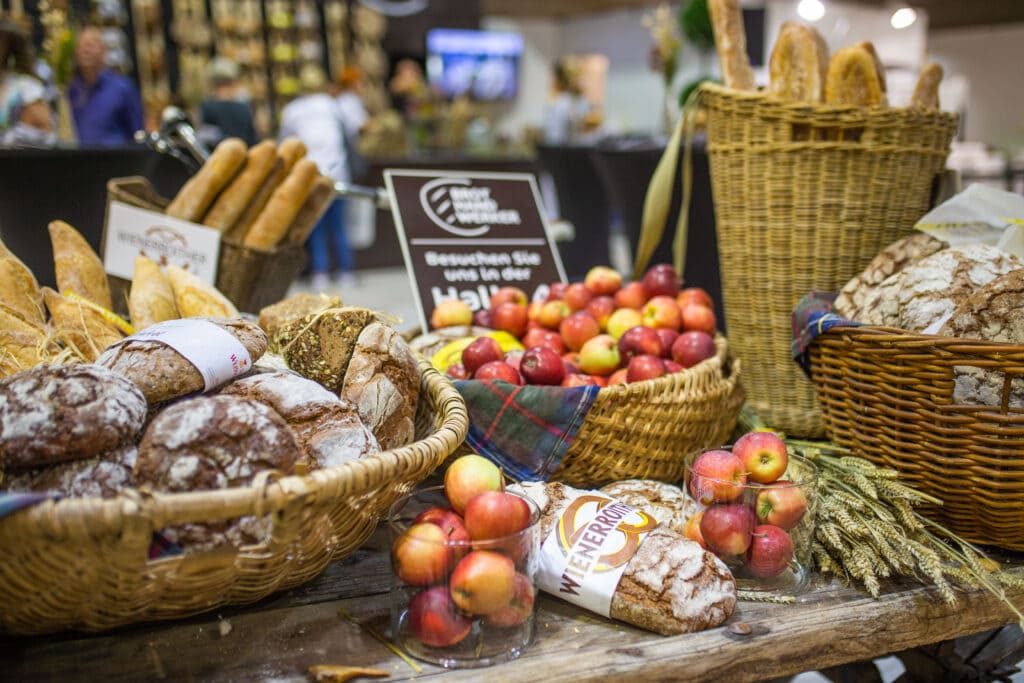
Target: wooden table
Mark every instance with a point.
(277, 639)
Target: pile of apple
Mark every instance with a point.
(750, 510)
(469, 558)
(599, 331)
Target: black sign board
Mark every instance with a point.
(464, 235)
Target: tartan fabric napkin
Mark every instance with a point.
(525, 430)
(812, 316)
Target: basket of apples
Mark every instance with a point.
(669, 387)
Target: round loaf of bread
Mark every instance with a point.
(666, 503)
(383, 383)
(104, 476)
(57, 413)
(329, 429)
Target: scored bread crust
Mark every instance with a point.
(666, 503)
(798, 64)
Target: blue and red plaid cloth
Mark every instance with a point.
(525, 430)
(812, 316)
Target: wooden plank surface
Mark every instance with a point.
(279, 638)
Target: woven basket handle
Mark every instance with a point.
(658, 199)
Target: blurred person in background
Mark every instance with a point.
(223, 114)
(105, 104)
(566, 112)
(353, 116)
(26, 119)
(316, 118)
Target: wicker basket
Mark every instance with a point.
(805, 196)
(647, 429)
(82, 563)
(250, 278)
(887, 395)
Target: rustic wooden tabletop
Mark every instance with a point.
(280, 638)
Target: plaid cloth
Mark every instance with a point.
(525, 430)
(812, 316)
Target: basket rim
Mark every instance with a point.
(898, 335)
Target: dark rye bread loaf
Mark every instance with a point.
(162, 373)
(671, 585)
(319, 346)
(57, 413)
(329, 429)
(103, 476)
(274, 317)
(666, 503)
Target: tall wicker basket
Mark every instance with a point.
(806, 195)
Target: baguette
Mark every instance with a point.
(195, 298)
(19, 289)
(318, 201)
(798, 64)
(77, 267)
(855, 77)
(81, 327)
(151, 299)
(198, 193)
(259, 161)
(259, 200)
(731, 43)
(290, 151)
(926, 92)
(279, 213)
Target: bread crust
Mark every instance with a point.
(798, 64)
(926, 90)
(855, 77)
(230, 204)
(19, 289)
(198, 193)
(151, 299)
(277, 216)
(317, 202)
(77, 267)
(196, 299)
(84, 328)
(731, 43)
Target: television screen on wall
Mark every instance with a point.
(483, 65)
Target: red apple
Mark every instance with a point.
(518, 609)
(782, 504)
(672, 366)
(621, 320)
(577, 296)
(692, 529)
(770, 551)
(698, 317)
(717, 476)
(421, 555)
(533, 311)
(602, 280)
(509, 294)
(552, 313)
(599, 356)
(662, 311)
(571, 359)
(495, 514)
(482, 318)
(632, 295)
(457, 371)
(576, 379)
(692, 347)
(618, 377)
(510, 317)
(481, 350)
(513, 358)
(543, 337)
(601, 307)
(668, 338)
(434, 621)
(498, 370)
(541, 365)
(694, 295)
(763, 454)
(638, 341)
(469, 476)
(451, 524)
(483, 582)
(662, 280)
(726, 528)
(578, 328)
(451, 312)
(556, 291)
(644, 366)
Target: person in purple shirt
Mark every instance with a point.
(105, 104)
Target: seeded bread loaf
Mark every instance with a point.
(320, 346)
(162, 373)
(103, 476)
(670, 586)
(57, 413)
(666, 503)
(275, 316)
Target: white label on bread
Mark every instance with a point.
(216, 353)
(584, 557)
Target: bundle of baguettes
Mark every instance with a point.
(259, 197)
(801, 69)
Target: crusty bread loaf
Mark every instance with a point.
(382, 381)
(329, 429)
(668, 504)
(198, 193)
(19, 289)
(290, 151)
(79, 326)
(926, 91)
(103, 476)
(77, 267)
(317, 202)
(196, 299)
(320, 346)
(151, 299)
(275, 316)
(23, 344)
(162, 373)
(670, 586)
(227, 208)
(798, 64)
(277, 174)
(57, 413)
(855, 77)
(731, 43)
(277, 216)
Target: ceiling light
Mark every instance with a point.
(903, 17)
(811, 10)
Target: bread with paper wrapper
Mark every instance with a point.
(666, 503)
